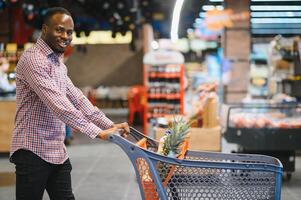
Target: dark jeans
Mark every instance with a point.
(34, 175)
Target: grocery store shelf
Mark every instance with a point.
(165, 96)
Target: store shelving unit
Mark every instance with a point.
(292, 85)
(164, 83)
(9, 55)
(259, 74)
(12, 54)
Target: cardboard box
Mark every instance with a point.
(201, 139)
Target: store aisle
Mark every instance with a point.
(102, 171)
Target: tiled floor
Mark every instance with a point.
(102, 171)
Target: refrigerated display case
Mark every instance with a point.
(270, 129)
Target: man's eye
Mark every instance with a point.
(60, 30)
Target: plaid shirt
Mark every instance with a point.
(46, 101)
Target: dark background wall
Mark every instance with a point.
(4, 27)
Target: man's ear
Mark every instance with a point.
(44, 29)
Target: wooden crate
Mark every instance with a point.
(7, 116)
(201, 139)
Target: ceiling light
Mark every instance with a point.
(175, 20)
(208, 7)
(276, 31)
(106, 5)
(199, 20)
(275, 14)
(271, 0)
(2, 5)
(274, 8)
(219, 7)
(275, 20)
(155, 45)
(202, 14)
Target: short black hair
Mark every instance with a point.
(53, 11)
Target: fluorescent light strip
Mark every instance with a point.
(275, 14)
(202, 14)
(219, 7)
(175, 20)
(276, 31)
(208, 7)
(196, 25)
(212, 7)
(216, 0)
(277, 25)
(275, 20)
(272, 0)
(274, 8)
(199, 20)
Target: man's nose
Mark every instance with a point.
(64, 35)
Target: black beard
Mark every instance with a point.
(60, 51)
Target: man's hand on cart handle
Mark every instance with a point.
(124, 126)
(123, 129)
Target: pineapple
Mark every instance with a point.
(172, 140)
(175, 137)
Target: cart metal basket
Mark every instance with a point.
(200, 175)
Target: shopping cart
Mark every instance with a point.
(200, 175)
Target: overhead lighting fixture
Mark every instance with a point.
(208, 7)
(275, 14)
(274, 8)
(276, 31)
(199, 20)
(271, 0)
(219, 7)
(202, 14)
(2, 4)
(155, 45)
(275, 26)
(175, 20)
(212, 7)
(190, 31)
(197, 25)
(102, 37)
(276, 20)
(29, 11)
(216, 0)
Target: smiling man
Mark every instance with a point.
(46, 101)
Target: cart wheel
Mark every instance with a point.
(288, 176)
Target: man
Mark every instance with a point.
(46, 101)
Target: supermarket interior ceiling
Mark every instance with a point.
(267, 17)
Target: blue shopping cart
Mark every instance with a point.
(200, 175)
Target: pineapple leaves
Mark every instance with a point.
(177, 134)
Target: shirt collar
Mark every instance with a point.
(45, 48)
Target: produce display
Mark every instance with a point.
(266, 118)
(204, 112)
